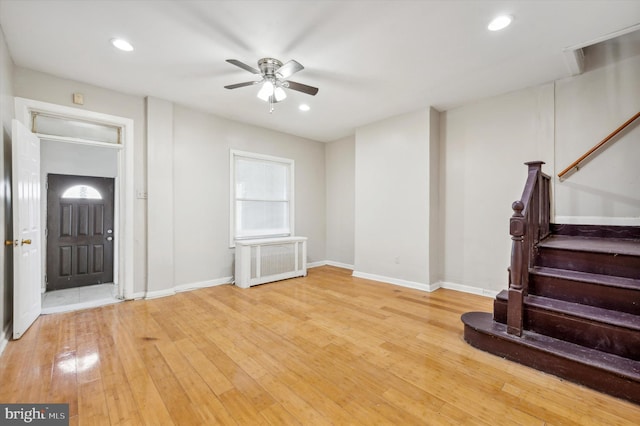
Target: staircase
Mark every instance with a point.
(573, 304)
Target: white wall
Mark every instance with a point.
(484, 146)
(435, 230)
(588, 108)
(160, 189)
(201, 190)
(6, 261)
(392, 206)
(340, 209)
(73, 159)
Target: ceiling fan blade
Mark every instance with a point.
(242, 65)
(289, 69)
(309, 90)
(246, 83)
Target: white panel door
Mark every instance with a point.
(27, 273)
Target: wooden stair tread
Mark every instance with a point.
(597, 231)
(628, 247)
(617, 365)
(592, 313)
(588, 277)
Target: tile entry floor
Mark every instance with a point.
(73, 299)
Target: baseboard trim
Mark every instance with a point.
(358, 274)
(597, 220)
(338, 264)
(203, 284)
(396, 281)
(182, 287)
(428, 287)
(6, 336)
(329, 263)
(468, 289)
(159, 293)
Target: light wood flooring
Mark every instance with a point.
(325, 349)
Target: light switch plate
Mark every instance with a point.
(78, 99)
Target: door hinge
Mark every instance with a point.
(46, 232)
(46, 280)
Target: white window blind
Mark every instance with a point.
(262, 194)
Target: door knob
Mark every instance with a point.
(26, 242)
(10, 243)
(109, 238)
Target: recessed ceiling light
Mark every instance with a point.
(122, 44)
(304, 107)
(500, 23)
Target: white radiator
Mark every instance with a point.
(272, 259)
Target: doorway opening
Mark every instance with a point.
(80, 242)
(86, 144)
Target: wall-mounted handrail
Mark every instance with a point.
(528, 226)
(596, 147)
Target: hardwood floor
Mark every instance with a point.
(324, 349)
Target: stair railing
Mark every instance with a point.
(529, 224)
(576, 164)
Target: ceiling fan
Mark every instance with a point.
(275, 76)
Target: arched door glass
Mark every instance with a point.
(82, 191)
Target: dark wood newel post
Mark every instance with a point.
(529, 223)
(517, 228)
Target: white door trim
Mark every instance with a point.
(125, 194)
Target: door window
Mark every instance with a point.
(84, 192)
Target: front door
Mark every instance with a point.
(25, 195)
(79, 231)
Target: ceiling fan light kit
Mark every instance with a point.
(271, 90)
(275, 76)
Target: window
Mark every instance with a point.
(261, 196)
(74, 128)
(82, 191)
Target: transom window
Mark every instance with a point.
(45, 124)
(261, 196)
(84, 192)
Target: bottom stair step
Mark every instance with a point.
(602, 371)
(617, 333)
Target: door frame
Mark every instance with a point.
(124, 197)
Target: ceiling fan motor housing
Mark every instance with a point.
(269, 66)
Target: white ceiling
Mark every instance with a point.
(370, 59)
